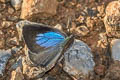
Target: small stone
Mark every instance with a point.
(30, 7)
(100, 69)
(82, 30)
(46, 6)
(78, 60)
(116, 49)
(11, 42)
(10, 10)
(59, 27)
(2, 41)
(26, 8)
(101, 10)
(6, 24)
(49, 78)
(92, 12)
(12, 18)
(112, 19)
(31, 71)
(113, 72)
(2, 1)
(2, 7)
(16, 4)
(4, 56)
(17, 64)
(81, 19)
(90, 23)
(17, 74)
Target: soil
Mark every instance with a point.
(92, 12)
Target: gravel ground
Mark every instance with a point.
(86, 13)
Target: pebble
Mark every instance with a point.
(6, 24)
(2, 41)
(26, 8)
(31, 71)
(116, 49)
(49, 78)
(10, 42)
(82, 30)
(78, 60)
(17, 64)
(46, 6)
(4, 56)
(2, 1)
(16, 4)
(10, 10)
(17, 74)
(111, 19)
(30, 7)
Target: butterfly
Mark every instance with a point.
(45, 44)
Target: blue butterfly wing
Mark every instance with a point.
(49, 39)
(43, 43)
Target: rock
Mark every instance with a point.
(46, 6)
(101, 10)
(82, 30)
(78, 60)
(90, 23)
(81, 19)
(116, 49)
(2, 1)
(30, 7)
(113, 73)
(11, 42)
(100, 69)
(31, 71)
(17, 74)
(2, 41)
(17, 64)
(6, 24)
(16, 4)
(4, 56)
(2, 7)
(26, 8)
(10, 10)
(92, 12)
(112, 19)
(58, 26)
(49, 78)
(12, 18)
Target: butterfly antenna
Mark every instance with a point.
(69, 24)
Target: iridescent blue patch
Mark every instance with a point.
(49, 39)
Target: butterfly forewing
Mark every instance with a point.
(44, 42)
(39, 38)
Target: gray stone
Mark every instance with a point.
(4, 56)
(16, 4)
(78, 60)
(17, 64)
(116, 49)
(17, 74)
(46, 6)
(49, 78)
